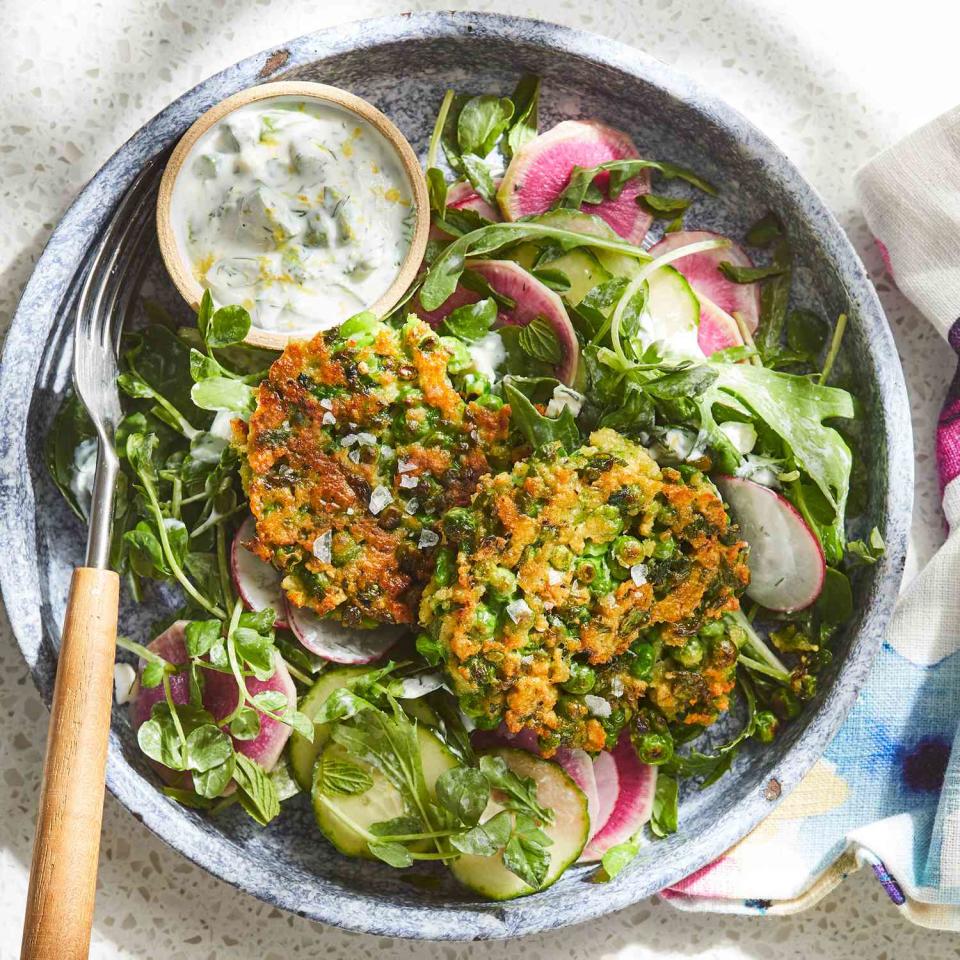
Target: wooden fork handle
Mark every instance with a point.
(63, 874)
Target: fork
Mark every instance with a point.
(63, 873)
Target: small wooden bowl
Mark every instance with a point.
(180, 272)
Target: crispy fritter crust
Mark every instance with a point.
(367, 442)
(578, 504)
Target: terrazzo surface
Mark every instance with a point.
(79, 79)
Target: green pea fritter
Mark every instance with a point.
(358, 444)
(582, 587)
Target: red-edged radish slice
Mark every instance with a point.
(540, 171)
(608, 789)
(579, 768)
(637, 783)
(786, 561)
(258, 583)
(462, 196)
(220, 697)
(717, 330)
(533, 299)
(702, 271)
(336, 643)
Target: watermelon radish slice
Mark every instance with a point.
(258, 583)
(220, 697)
(703, 273)
(462, 196)
(637, 783)
(608, 789)
(786, 561)
(533, 299)
(336, 643)
(539, 172)
(717, 330)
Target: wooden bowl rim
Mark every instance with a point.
(182, 275)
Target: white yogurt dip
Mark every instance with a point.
(296, 209)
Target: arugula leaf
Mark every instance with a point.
(481, 122)
(554, 279)
(835, 603)
(537, 428)
(395, 854)
(256, 792)
(620, 856)
(437, 191)
(775, 300)
(526, 102)
(470, 322)
(340, 778)
(582, 187)
(663, 206)
(738, 274)
(228, 325)
(445, 272)
(663, 818)
(70, 430)
(795, 409)
(869, 551)
(224, 393)
(478, 173)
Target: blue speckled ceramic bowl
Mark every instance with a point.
(403, 64)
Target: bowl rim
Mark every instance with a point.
(34, 323)
(180, 272)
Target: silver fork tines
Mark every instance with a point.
(101, 310)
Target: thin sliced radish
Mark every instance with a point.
(533, 300)
(608, 789)
(637, 783)
(462, 196)
(258, 583)
(220, 696)
(702, 270)
(786, 561)
(579, 768)
(717, 330)
(336, 643)
(541, 170)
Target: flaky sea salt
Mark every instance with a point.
(326, 403)
(411, 507)
(408, 482)
(380, 498)
(638, 574)
(427, 539)
(597, 706)
(328, 419)
(349, 440)
(323, 546)
(554, 577)
(124, 677)
(405, 466)
(518, 610)
(366, 440)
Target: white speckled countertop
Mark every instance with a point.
(830, 81)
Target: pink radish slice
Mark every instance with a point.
(786, 562)
(608, 789)
(533, 299)
(717, 330)
(579, 768)
(336, 643)
(539, 172)
(220, 697)
(637, 782)
(462, 196)
(703, 274)
(258, 583)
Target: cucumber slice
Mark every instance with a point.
(580, 267)
(381, 802)
(672, 313)
(303, 753)
(571, 825)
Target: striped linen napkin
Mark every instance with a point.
(887, 792)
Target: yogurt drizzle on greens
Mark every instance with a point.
(296, 210)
